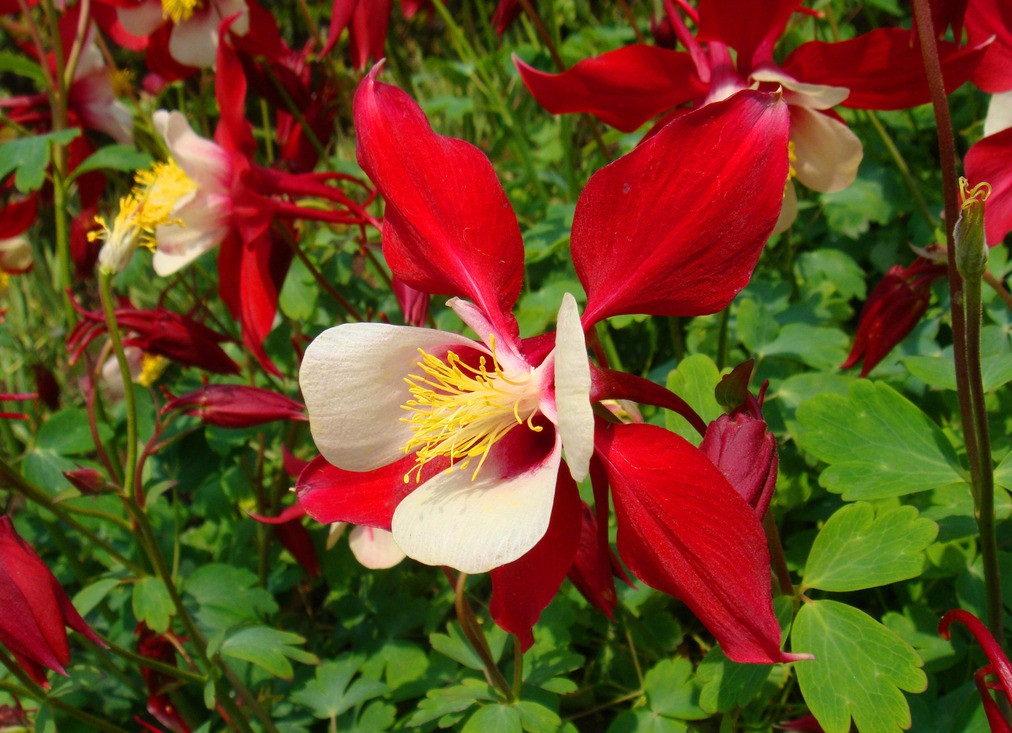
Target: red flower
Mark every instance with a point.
(998, 666)
(892, 310)
(158, 331)
(366, 21)
(35, 609)
(881, 69)
(474, 478)
(160, 648)
(236, 406)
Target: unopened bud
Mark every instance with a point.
(89, 481)
(968, 235)
(745, 451)
(236, 406)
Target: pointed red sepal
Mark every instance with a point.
(623, 88)
(684, 530)
(331, 494)
(751, 29)
(522, 589)
(234, 132)
(998, 660)
(675, 227)
(990, 159)
(448, 227)
(882, 69)
(992, 18)
(609, 384)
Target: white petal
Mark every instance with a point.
(572, 390)
(999, 114)
(204, 161)
(475, 526)
(813, 96)
(142, 20)
(194, 42)
(789, 211)
(375, 548)
(227, 8)
(352, 379)
(828, 153)
(15, 254)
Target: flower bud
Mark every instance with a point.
(90, 481)
(745, 451)
(36, 609)
(968, 235)
(236, 406)
(892, 310)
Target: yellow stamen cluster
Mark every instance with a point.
(152, 367)
(122, 82)
(972, 196)
(460, 412)
(155, 196)
(5, 281)
(792, 158)
(179, 11)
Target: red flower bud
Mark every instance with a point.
(236, 406)
(157, 331)
(414, 303)
(160, 648)
(90, 481)
(892, 310)
(745, 451)
(36, 609)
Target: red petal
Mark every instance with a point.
(368, 32)
(233, 132)
(340, 14)
(992, 18)
(750, 28)
(522, 589)
(331, 494)
(684, 530)
(622, 88)
(882, 69)
(449, 227)
(991, 160)
(676, 226)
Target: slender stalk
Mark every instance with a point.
(129, 398)
(30, 692)
(997, 286)
(469, 626)
(318, 276)
(977, 440)
(780, 568)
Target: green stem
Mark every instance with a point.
(904, 170)
(469, 626)
(37, 693)
(130, 400)
(972, 411)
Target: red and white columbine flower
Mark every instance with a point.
(470, 450)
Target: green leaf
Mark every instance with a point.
(725, 684)
(447, 702)
(852, 210)
(860, 669)
(940, 372)
(331, 691)
(227, 596)
(820, 347)
(860, 548)
(456, 647)
(494, 719)
(694, 381)
(268, 648)
(299, 293)
(1003, 473)
(152, 604)
(28, 158)
(113, 158)
(68, 433)
(877, 442)
(91, 595)
(22, 66)
(671, 691)
(536, 718)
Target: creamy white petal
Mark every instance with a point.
(352, 379)
(374, 548)
(828, 153)
(813, 96)
(15, 254)
(572, 390)
(475, 526)
(204, 161)
(789, 211)
(194, 42)
(141, 20)
(999, 113)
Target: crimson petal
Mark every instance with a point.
(882, 69)
(449, 227)
(522, 589)
(749, 28)
(684, 530)
(622, 88)
(990, 160)
(676, 226)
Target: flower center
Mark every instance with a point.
(160, 189)
(460, 411)
(179, 10)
